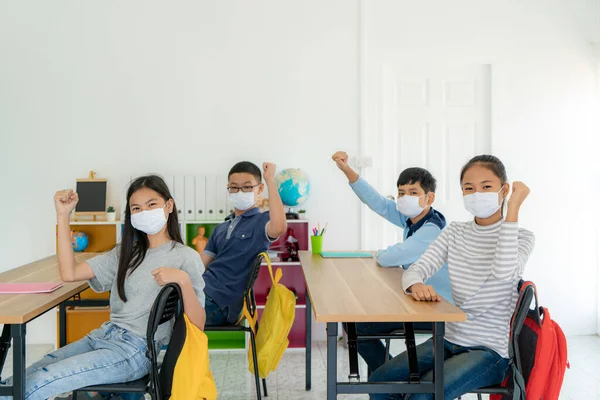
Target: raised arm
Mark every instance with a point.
(277, 224)
(70, 270)
(368, 195)
(514, 244)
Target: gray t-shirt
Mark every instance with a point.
(140, 287)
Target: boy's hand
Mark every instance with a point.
(65, 202)
(422, 292)
(269, 171)
(519, 194)
(341, 159)
(165, 275)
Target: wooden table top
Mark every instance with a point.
(359, 290)
(21, 308)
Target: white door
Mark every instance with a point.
(431, 116)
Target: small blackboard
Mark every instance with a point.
(92, 196)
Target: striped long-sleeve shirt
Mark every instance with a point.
(485, 263)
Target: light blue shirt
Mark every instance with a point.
(417, 237)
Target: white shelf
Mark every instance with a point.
(282, 263)
(188, 222)
(95, 222)
(200, 222)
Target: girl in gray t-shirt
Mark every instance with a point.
(151, 254)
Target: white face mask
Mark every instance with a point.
(150, 222)
(409, 206)
(482, 204)
(242, 201)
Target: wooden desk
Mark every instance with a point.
(16, 310)
(358, 290)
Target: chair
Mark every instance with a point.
(521, 311)
(250, 302)
(167, 306)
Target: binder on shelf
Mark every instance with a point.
(179, 194)
(211, 197)
(229, 206)
(190, 198)
(200, 208)
(221, 195)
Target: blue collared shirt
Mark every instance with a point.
(234, 245)
(417, 237)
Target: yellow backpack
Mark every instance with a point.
(275, 325)
(192, 378)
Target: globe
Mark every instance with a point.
(80, 241)
(293, 186)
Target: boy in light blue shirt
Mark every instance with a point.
(422, 224)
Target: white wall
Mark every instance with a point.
(544, 110)
(138, 87)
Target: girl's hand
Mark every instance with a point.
(65, 202)
(165, 275)
(422, 292)
(519, 194)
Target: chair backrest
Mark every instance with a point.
(167, 306)
(249, 292)
(521, 311)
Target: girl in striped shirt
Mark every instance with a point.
(486, 258)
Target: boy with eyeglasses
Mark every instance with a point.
(234, 244)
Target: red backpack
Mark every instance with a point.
(539, 349)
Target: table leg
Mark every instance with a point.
(438, 356)
(62, 322)
(18, 336)
(4, 346)
(332, 332)
(352, 351)
(308, 342)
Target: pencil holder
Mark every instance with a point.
(316, 244)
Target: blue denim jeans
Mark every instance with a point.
(465, 369)
(215, 316)
(108, 354)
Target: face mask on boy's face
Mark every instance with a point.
(242, 201)
(482, 204)
(409, 206)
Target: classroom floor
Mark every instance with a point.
(582, 381)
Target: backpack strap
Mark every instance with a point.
(253, 320)
(278, 274)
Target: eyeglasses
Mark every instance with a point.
(245, 189)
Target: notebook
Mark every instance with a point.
(346, 254)
(13, 288)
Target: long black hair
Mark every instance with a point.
(134, 243)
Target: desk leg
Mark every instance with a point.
(4, 346)
(62, 328)
(308, 342)
(332, 333)
(18, 336)
(438, 356)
